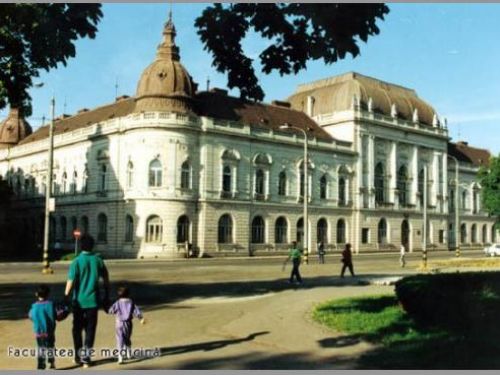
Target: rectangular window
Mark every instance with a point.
(441, 236)
(365, 235)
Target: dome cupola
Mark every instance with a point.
(165, 85)
(13, 129)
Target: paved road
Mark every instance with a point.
(212, 314)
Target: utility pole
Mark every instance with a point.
(424, 234)
(46, 264)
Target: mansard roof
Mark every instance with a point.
(467, 154)
(217, 104)
(84, 118)
(336, 94)
(210, 104)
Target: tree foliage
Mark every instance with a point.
(298, 32)
(489, 178)
(35, 37)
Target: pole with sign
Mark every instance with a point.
(77, 234)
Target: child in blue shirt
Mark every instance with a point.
(43, 314)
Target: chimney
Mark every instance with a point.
(122, 97)
(219, 91)
(281, 103)
(83, 110)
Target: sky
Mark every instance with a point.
(448, 53)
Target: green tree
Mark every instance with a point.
(489, 178)
(35, 37)
(298, 32)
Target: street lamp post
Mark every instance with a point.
(424, 234)
(306, 191)
(457, 217)
(46, 263)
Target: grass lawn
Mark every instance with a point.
(402, 343)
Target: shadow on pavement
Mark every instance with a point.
(16, 298)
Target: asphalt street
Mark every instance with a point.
(212, 313)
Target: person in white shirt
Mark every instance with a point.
(402, 253)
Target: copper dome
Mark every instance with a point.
(165, 85)
(13, 129)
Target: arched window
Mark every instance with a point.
(451, 200)
(382, 232)
(64, 183)
(323, 184)
(493, 234)
(302, 178)
(473, 233)
(155, 173)
(342, 192)
(102, 228)
(226, 179)
(225, 229)
(74, 224)
(43, 186)
(154, 229)
(186, 175)
(300, 231)
(85, 224)
(464, 200)
(258, 230)
(259, 181)
(130, 175)
(379, 183)
(129, 228)
(74, 182)
(183, 229)
(64, 228)
(475, 200)
(282, 183)
(55, 187)
(484, 234)
(463, 233)
(341, 235)
(402, 180)
(281, 230)
(85, 180)
(322, 231)
(102, 177)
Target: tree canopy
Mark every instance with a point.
(36, 37)
(489, 178)
(298, 32)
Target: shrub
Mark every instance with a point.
(461, 301)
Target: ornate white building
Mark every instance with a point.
(171, 165)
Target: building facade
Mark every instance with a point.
(173, 169)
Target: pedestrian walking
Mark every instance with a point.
(295, 254)
(347, 260)
(83, 280)
(402, 253)
(321, 252)
(124, 310)
(43, 315)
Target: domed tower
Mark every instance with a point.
(13, 129)
(165, 85)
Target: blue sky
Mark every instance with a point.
(448, 53)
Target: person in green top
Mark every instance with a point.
(295, 254)
(83, 280)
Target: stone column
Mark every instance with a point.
(371, 170)
(414, 173)
(444, 187)
(393, 163)
(359, 174)
(435, 179)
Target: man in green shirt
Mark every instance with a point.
(295, 254)
(83, 279)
